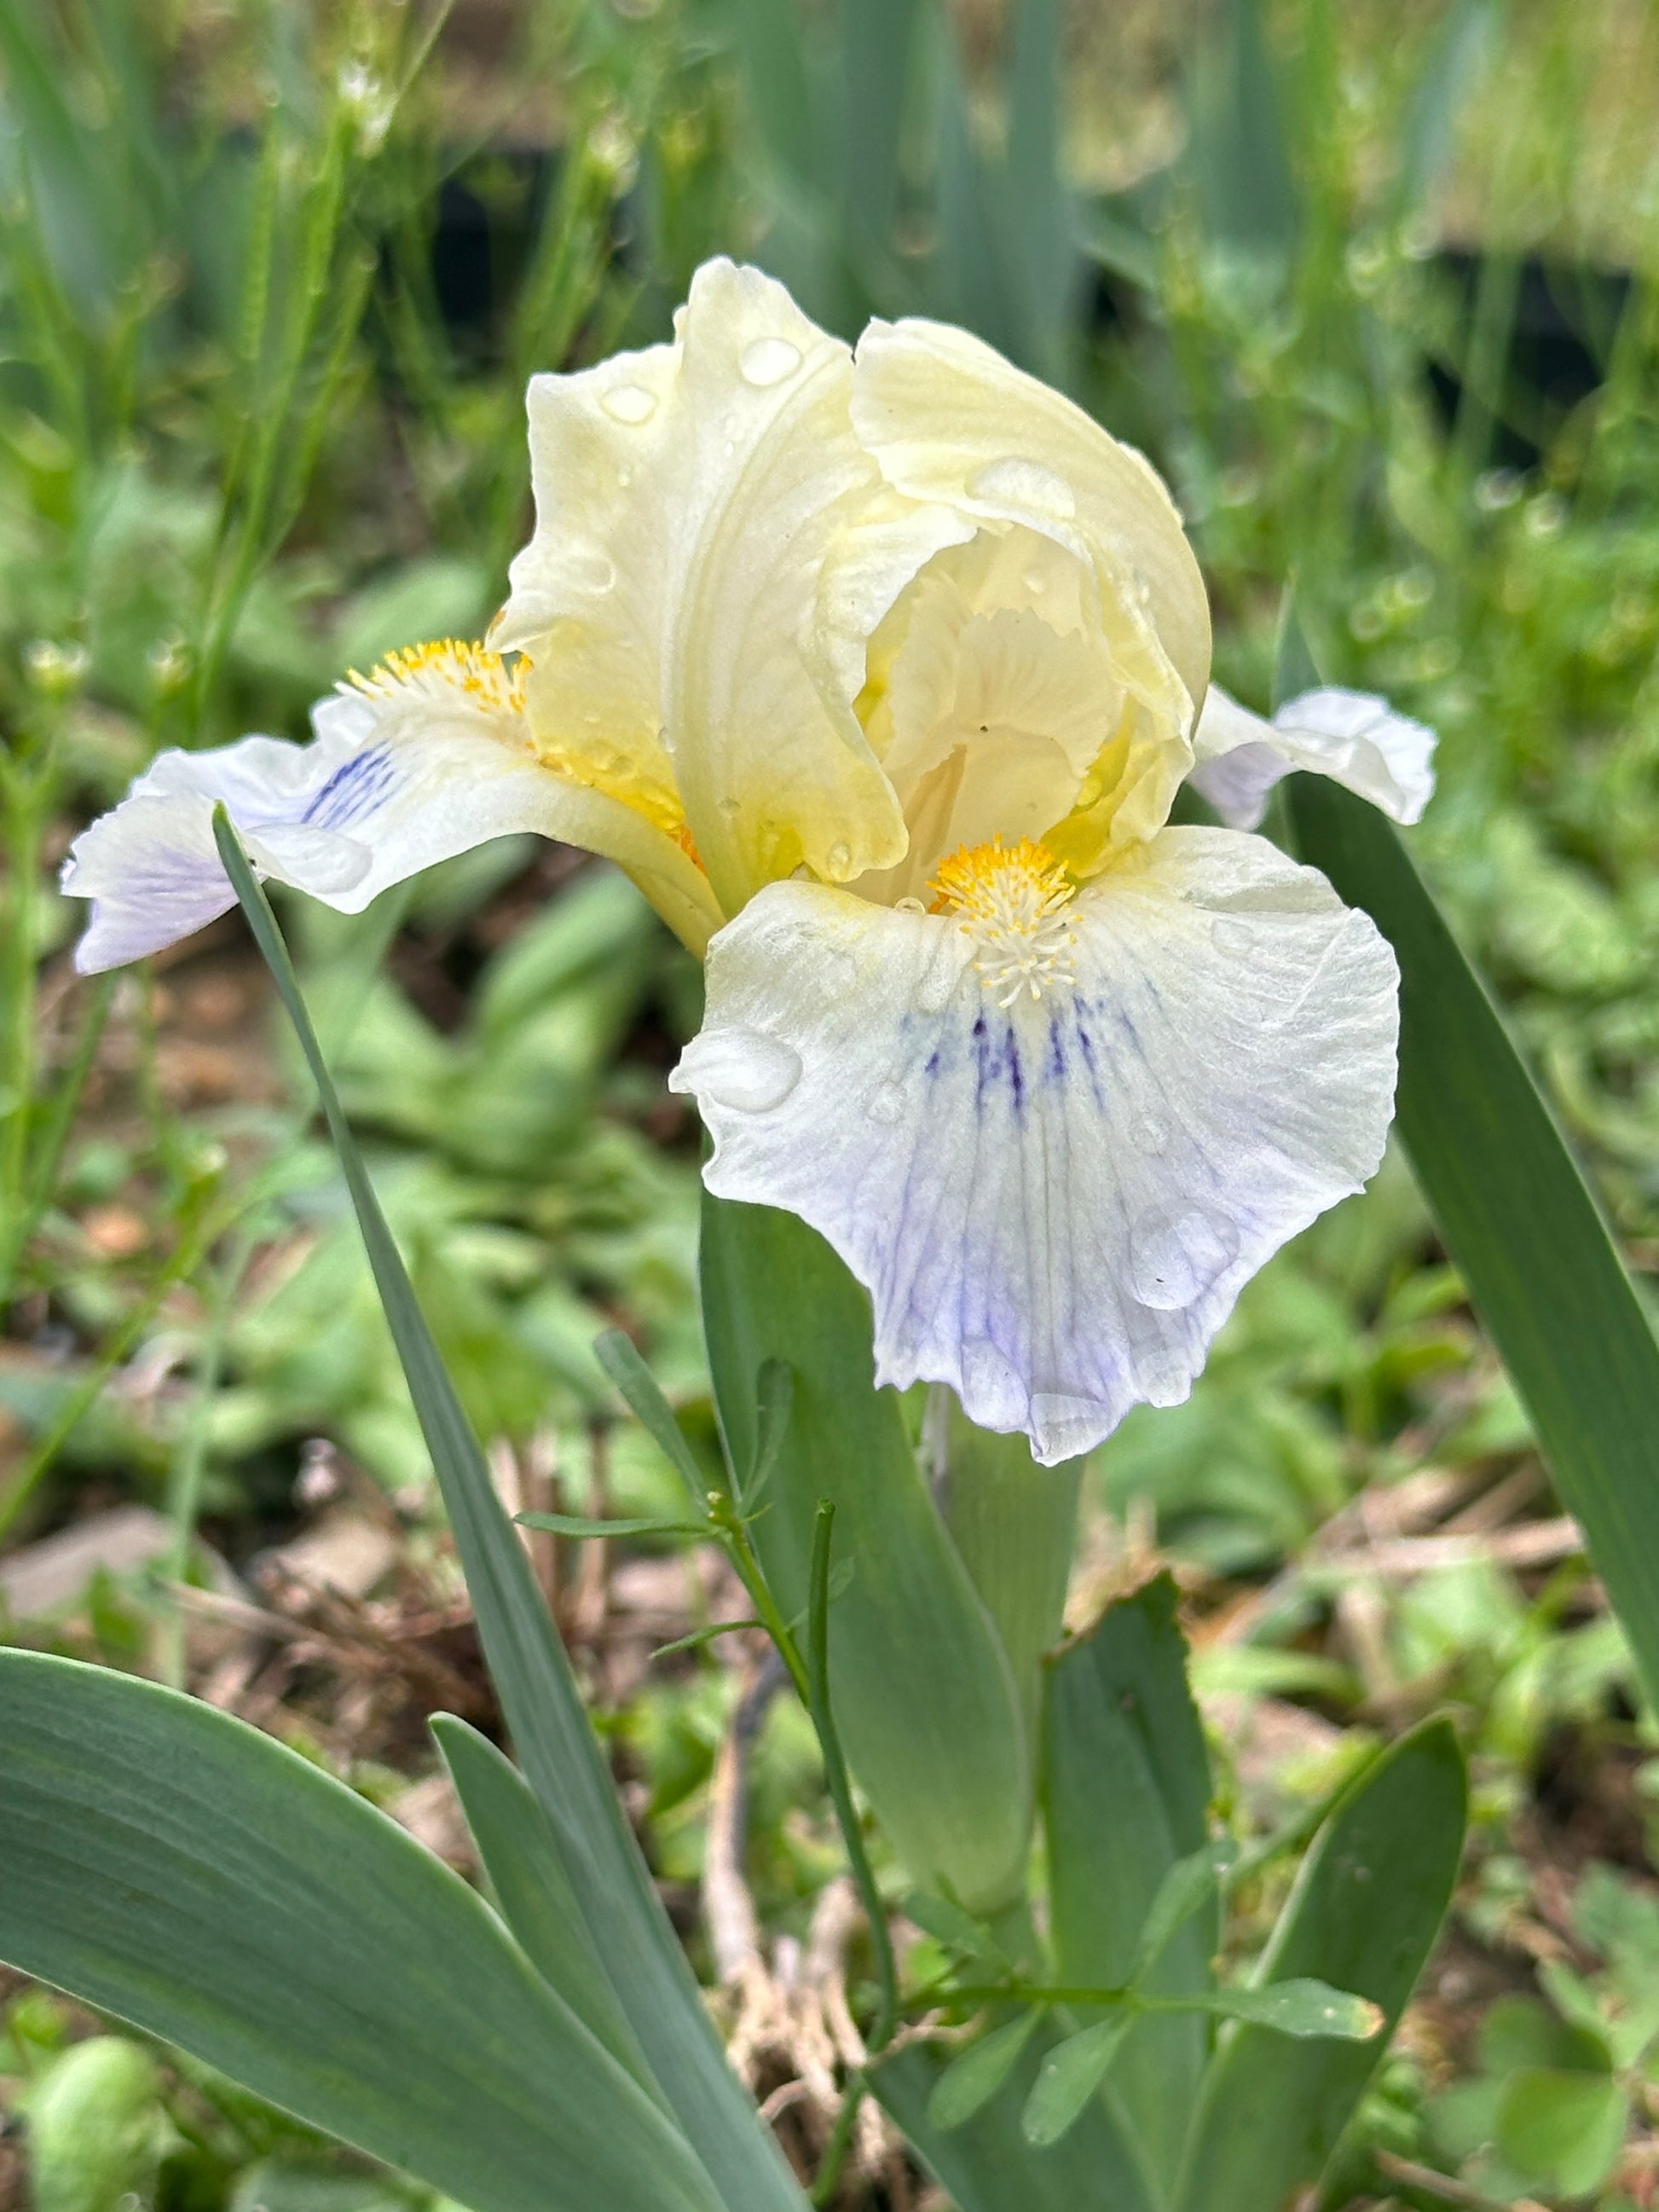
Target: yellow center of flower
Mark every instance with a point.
(444, 666)
(1013, 900)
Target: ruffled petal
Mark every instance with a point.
(1054, 1205)
(991, 692)
(414, 766)
(678, 598)
(951, 421)
(1353, 736)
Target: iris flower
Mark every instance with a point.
(879, 673)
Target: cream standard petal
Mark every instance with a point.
(951, 421)
(1353, 736)
(991, 694)
(1054, 1205)
(675, 596)
(425, 759)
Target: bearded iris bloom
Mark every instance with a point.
(879, 672)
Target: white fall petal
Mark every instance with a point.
(1055, 1206)
(1353, 736)
(418, 764)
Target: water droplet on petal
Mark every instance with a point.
(741, 1068)
(629, 402)
(887, 1104)
(1025, 485)
(624, 477)
(590, 570)
(729, 808)
(1177, 1252)
(1065, 1424)
(838, 861)
(1035, 580)
(768, 361)
(1231, 935)
(991, 1386)
(938, 981)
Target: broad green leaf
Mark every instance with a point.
(1126, 1795)
(518, 1851)
(923, 1701)
(1364, 1911)
(984, 2163)
(1070, 2076)
(550, 1726)
(1567, 2129)
(974, 2077)
(176, 1868)
(1515, 1213)
(1014, 1524)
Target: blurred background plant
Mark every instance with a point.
(1375, 286)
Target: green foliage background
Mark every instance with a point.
(271, 280)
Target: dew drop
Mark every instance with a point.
(1066, 1425)
(741, 1068)
(991, 1387)
(624, 477)
(731, 808)
(767, 362)
(886, 1104)
(1177, 1252)
(838, 862)
(590, 570)
(629, 402)
(1229, 934)
(1023, 484)
(938, 982)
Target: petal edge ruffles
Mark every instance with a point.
(1054, 1208)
